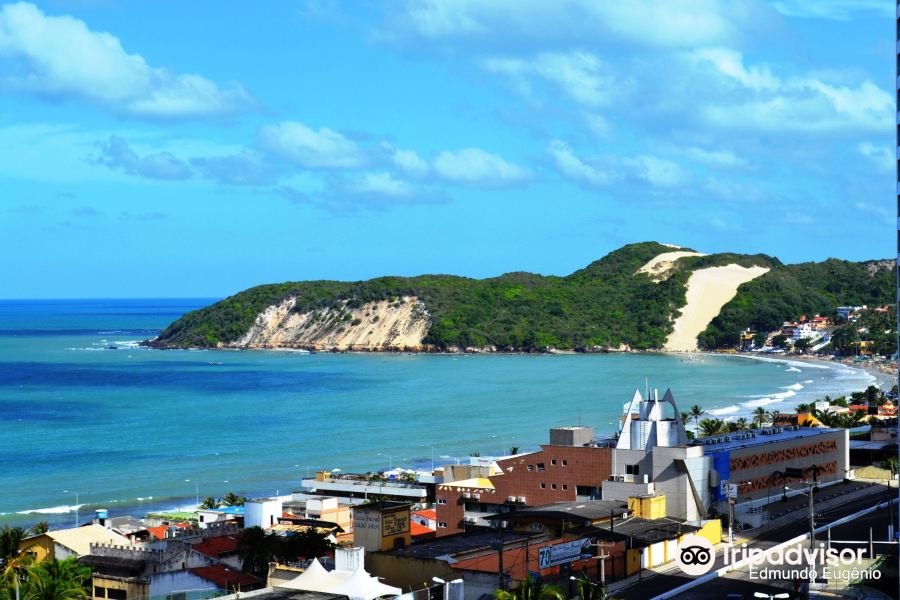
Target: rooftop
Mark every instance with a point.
(586, 512)
(79, 539)
(756, 437)
(224, 577)
(638, 530)
(459, 543)
(217, 546)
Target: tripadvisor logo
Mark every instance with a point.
(695, 555)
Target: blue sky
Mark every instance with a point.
(198, 148)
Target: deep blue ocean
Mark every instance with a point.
(84, 409)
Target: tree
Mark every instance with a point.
(802, 345)
(760, 416)
(58, 580)
(890, 464)
(685, 417)
(40, 527)
(256, 549)
(232, 499)
(780, 341)
(760, 339)
(696, 413)
(304, 545)
(14, 555)
(209, 502)
(513, 450)
(589, 590)
(742, 423)
(803, 407)
(531, 589)
(710, 427)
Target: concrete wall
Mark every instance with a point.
(262, 513)
(163, 584)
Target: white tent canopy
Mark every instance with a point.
(362, 586)
(316, 579)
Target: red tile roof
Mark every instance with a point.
(428, 513)
(160, 532)
(417, 529)
(226, 577)
(217, 546)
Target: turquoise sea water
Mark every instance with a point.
(132, 429)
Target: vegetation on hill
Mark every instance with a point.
(788, 291)
(604, 305)
(876, 327)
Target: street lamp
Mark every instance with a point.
(770, 596)
(77, 504)
(390, 460)
(730, 501)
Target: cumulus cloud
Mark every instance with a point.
(604, 171)
(657, 23)
(312, 149)
(377, 190)
(117, 154)
(581, 76)
(795, 104)
(410, 162)
(476, 167)
(236, 169)
(715, 158)
(836, 10)
(60, 57)
(883, 157)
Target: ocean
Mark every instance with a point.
(84, 408)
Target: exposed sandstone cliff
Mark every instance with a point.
(400, 324)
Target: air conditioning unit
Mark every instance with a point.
(522, 499)
(469, 519)
(467, 495)
(511, 499)
(476, 496)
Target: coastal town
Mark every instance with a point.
(587, 511)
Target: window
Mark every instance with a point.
(565, 462)
(543, 486)
(565, 486)
(441, 501)
(116, 594)
(552, 486)
(201, 518)
(552, 461)
(540, 467)
(442, 525)
(632, 470)
(531, 467)
(99, 592)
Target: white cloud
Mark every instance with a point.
(410, 162)
(117, 154)
(598, 124)
(476, 167)
(61, 57)
(806, 103)
(580, 75)
(574, 168)
(666, 23)
(381, 184)
(377, 190)
(656, 171)
(306, 147)
(883, 157)
(836, 10)
(715, 158)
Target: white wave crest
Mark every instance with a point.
(793, 386)
(725, 411)
(53, 510)
(793, 370)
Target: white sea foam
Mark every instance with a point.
(725, 411)
(808, 381)
(793, 386)
(793, 369)
(54, 510)
(759, 402)
(783, 395)
(785, 361)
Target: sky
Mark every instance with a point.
(194, 149)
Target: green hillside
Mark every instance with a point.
(605, 304)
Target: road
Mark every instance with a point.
(655, 584)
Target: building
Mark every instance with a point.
(208, 516)
(60, 544)
(381, 525)
(262, 512)
(358, 487)
(572, 466)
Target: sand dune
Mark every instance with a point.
(660, 266)
(708, 290)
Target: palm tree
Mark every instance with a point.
(39, 528)
(232, 499)
(760, 416)
(685, 417)
(742, 423)
(513, 450)
(58, 580)
(709, 427)
(589, 590)
(256, 549)
(531, 589)
(14, 555)
(210, 502)
(696, 412)
(803, 407)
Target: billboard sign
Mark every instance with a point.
(560, 554)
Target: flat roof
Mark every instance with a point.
(867, 445)
(644, 531)
(591, 510)
(458, 544)
(756, 437)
